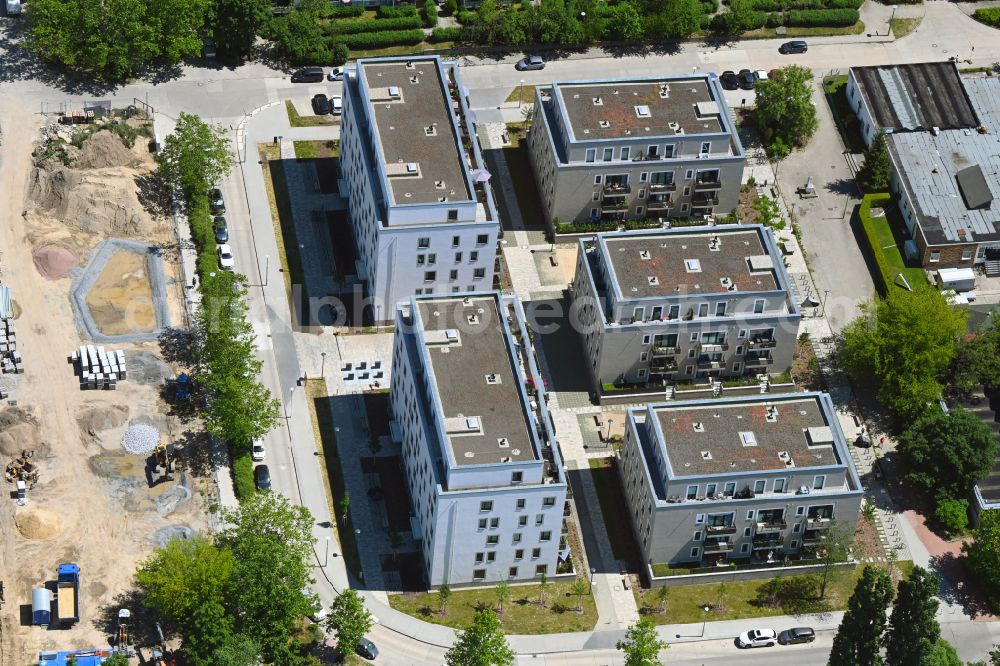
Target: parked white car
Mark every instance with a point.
(257, 452)
(336, 105)
(756, 638)
(226, 261)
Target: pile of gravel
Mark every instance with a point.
(140, 439)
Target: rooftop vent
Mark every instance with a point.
(414, 79)
(706, 455)
(439, 184)
(430, 130)
(699, 426)
(409, 65)
(644, 255)
(747, 438)
(492, 379)
(470, 454)
(653, 281)
(714, 243)
(786, 458)
(473, 319)
(503, 443)
(467, 302)
(598, 101)
(505, 459)
(642, 111)
(772, 414)
(515, 452)
(412, 167)
(664, 91)
(819, 436)
(394, 92)
(604, 124)
(726, 282)
(472, 422)
(451, 334)
(692, 265)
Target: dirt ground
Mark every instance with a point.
(121, 300)
(94, 504)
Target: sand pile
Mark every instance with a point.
(94, 420)
(105, 202)
(18, 437)
(104, 150)
(37, 523)
(53, 262)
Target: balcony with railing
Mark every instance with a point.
(761, 342)
(663, 364)
(813, 538)
(616, 188)
(659, 204)
(704, 185)
(704, 201)
(758, 361)
(661, 350)
(771, 525)
(768, 542)
(718, 546)
(819, 518)
(614, 204)
(662, 187)
(721, 528)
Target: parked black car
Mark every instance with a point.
(221, 229)
(216, 202)
(321, 105)
(794, 46)
(366, 649)
(729, 80)
(262, 477)
(747, 80)
(308, 75)
(797, 635)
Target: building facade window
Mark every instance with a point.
(591, 155)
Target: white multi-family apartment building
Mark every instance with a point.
(422, 211)
(684, 304)
(482, 464)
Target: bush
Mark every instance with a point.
(952, 515)
(399, 11)
(709, 6)
(377, 40)
(339, 53)
(450, 7)
(465, 17)
(452, 34)
(822, 17)
(375, 25)
(243, 482)
(430, 14)
(774, 19)
(347, 11)
(989, 16)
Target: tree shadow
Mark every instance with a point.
(958, 586)
(843, 186)
(153, 194)
(794, 595)
(176, 346)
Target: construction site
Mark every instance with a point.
(95, 478)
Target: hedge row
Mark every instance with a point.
(822, 17)
(375, 25)
(989, 16)
(346, 11)
(452, 34)
(429, 14)
(243, 483)
(785, 5)
(377, 40)
(399, 11)
(709, 6)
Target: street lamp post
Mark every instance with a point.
(826, 293)
(608, 436)
(326, 558)
(520, 86)
(322, 367)
(267, 267)
(891, 16)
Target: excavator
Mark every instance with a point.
(165, 464)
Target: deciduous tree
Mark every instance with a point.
(235, 25)
(945, 454)
(913, 631)
(784, 106)
(642, 645)
(982, 555)
(904, 345)
(239, 650)
(859, 637)
(873, 176)
(349, 619)
(482, 644)
(194, 155)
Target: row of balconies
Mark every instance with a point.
(770, 526)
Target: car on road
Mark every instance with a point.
(760, 75)
(366, 649)
(308, 75)
(226, 261)
(221, 229)
(262, 477)
(729, 80)
(257, 452)
(336, 105)
(794, 46)
(756, 638)
(321, 105)
(746, 79)
(216, 202)
(335, 74)
(529, 63)
(797, 635)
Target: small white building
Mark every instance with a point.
(422, 211)
(482, 464)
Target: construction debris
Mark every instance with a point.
(22, 468)
(99, 369)
(141, 439)
(10, 358)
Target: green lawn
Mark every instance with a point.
(884, 241)
(805, 31)
(523, 179)
(522, 94)
(295, 120)
(312, 150)
(609, 494)
(746, 599)
(901, 27)
(835, 88)
(522, 613)
(281, 214)
(329, 458)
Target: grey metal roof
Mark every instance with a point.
(985, 95)
(928, 166)
(916, 96)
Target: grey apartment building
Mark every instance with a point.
(684, 304)
(635, 148)
(422, 211)
(481, 461)
(712, 481)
